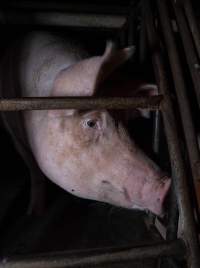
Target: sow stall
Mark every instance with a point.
(168, 31)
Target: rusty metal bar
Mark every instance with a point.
(156, 132)
(193, 24)
(190, 53)
(177, 162)
(172, 227)
(130, 24)
(53, 103)
(91, 258)
(142, 39)
(47, 18)
(187, 121)
(66, 6)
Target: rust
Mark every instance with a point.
(180, 179)
(53, 103)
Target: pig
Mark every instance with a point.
(87, 153)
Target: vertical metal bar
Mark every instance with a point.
(122, 37)
(177, 162)
(142, 56)
(173, 216)
(172, 226)
(187, 121)
(191, 56)
(156, 132)
(189, 132)
(131, 29)
(193, 24)
(143, 38)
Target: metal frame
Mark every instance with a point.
(188, 246)
(54, 103)
(92, 258)
(105, 17)
(180, 179)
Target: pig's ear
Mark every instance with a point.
(111, 60)
(146, 90)
(142, 90)
(83, 78)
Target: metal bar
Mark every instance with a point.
(51, 18)
(106, 256)
(131, 28)
(143, 39)
(190, 53)
(53, 103)
(189, 132)
(172, 227)
(156, 132)
(177, 162)
(66, 6)
(187, 121)
(193, 24)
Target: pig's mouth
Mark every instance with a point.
(148, 196)
(153, 199)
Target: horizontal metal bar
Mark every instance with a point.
(92, 258)
(55, 103)
(104, 21)
(67, 6)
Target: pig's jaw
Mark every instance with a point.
(152, 200)
(143, 195)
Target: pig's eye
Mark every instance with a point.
(91, 123)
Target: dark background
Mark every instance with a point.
(69, 222)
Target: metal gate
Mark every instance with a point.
(165, 19)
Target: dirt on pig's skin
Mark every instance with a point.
(80, 151)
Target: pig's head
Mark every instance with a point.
(89, 153)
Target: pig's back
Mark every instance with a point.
(28, 68)
(43, 55)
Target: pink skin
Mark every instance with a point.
(95, 161)
(139, 182)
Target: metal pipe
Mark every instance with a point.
(190, 53)
(66, 6)
(53, 103)
(177, 162)
(172, 226)
(143, 38)
(156, 132)
(91, 258)
(50, 18)
(187, 121)
(130, 24)
(193, 24)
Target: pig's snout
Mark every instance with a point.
(155, 203)
(152, 196)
